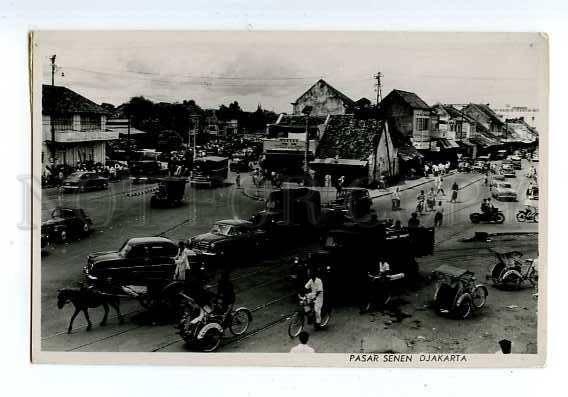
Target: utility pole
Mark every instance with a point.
(380, 127)
(52, 58)
(52, 115)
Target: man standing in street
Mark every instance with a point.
(238, 180)
(413, 222)
(315, 286)
(439, 216)
(303, 347)
(455, 189)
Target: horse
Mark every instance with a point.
(85, 298)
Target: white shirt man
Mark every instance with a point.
(301, 348)
(315, 286)
(384, 267)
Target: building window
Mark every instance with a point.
(62, 123)
(90, 122)
(422, 124)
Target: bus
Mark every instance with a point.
(210, 171)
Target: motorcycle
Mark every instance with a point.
(527, 215)
(204, 330)
(510, 271)
(492, 216)
(307, 312)
(380, 289)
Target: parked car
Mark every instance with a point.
(508, 171)
(495, 179)
(503, 191)
(230, 238)
(516, 161)
(535, 157)
(83, 181)
(140, 259)
(355, 201)
(480, 166)
(66, 223)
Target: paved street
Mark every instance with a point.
(124, 211)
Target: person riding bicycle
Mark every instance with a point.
(531, 207)
(225, 298)
(431, 199)
(315, 286)
(420, 200)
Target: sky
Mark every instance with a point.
(274, 68)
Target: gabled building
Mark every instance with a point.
(486, 120)
(409, 116)
(74, 128)
(324, 99)
(361, 150)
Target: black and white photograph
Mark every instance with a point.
(366, 198)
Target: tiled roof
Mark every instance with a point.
(456, 114)
(61, 100)
(344, 98)
(413, 100)
(347, 138)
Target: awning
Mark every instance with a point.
(339, 162)
(409, 153)
(484, 141)
(445, 144)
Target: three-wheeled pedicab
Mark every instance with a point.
(457, 294)
(170, 192)
(510, 271)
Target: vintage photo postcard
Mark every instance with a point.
(347, 199)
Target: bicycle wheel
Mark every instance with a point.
(240, 321)
(535, 218)
(479, 297)
(211, 340)
(296, 324)
(533, 277)
(521, 217)
(463, 310)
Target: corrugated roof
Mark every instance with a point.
(62, 100)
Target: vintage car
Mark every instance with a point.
(516, 161)
(66, 223)
(170, 192)
(355, 201)
(480, 166)
(83, 181)
(145, 170)
(497, 178)
(140, 259)
(532, 191)
(231, 239)
(503, 191)
(508, 170)
(239, 163)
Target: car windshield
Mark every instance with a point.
(222, 229)
(75, 176)
(125, 249)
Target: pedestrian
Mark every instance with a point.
(303, 347)
(339, 186)
(426, 170)
(396, 199)
(413, 222)
(181, 261)
(440, 186)
(439, 216)
(455, 189)
(435, 169)
(238, 180)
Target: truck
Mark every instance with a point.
(209, 171)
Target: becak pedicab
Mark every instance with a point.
(511, 270)
(457, 294)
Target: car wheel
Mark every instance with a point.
(63, 235)
(86, 228)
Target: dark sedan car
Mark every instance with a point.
(231, 239)
(66, 223)
(83, 181)
(140, 259)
